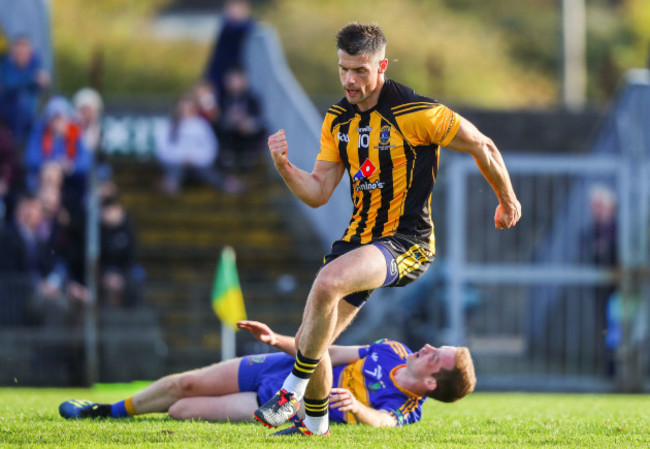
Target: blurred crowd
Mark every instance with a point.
(48, 146)
(52, 164)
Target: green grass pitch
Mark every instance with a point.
(29, 418)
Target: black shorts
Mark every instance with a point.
(406, 261)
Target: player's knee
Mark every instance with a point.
(185, 385)
(180, 411)
(179, 385)
(327, 285)
(169, 385)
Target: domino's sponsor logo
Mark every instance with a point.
(367, 186)
(366, 170)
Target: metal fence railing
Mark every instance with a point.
(561, 298)
(44, 340)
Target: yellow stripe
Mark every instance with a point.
(399, 175)
(306, 371)
(401, 350)
(406, 255)
(403, 107)
(352, 379)
(321, 408)
(128, 405)
(355, 164)
(409, 270)
(306, 365)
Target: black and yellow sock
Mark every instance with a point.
(316, 407)
(304, 366)
(317, 415)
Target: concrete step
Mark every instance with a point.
(180, 239)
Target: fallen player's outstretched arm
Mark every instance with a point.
(340, 355)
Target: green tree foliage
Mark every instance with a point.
(110, 44)
(449, 54)
(494, 54)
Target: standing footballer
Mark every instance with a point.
(388, 139)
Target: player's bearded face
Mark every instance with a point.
(359, 76)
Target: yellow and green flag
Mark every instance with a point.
(227, 298)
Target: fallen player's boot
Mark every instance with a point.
(79, 409)
(277, 410)
(299, 429)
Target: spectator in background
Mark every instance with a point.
(205, 98)
(236, 24)
(187, 145)
(241, 128)
(119, 271)
(28, 264)
(57, 138)
(10, 173)
(23, 79)
(56, 220)
(89, 106)
(601, 245)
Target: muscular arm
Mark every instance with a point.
(470, 140)
(339, 355)
(315, 188)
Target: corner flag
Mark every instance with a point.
(227, 298)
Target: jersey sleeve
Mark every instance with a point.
(363, 351)
(433, 125)
(403, 412)
(328, 150)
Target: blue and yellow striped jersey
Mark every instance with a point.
(371, 381)
(391, 153)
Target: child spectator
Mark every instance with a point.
(119, 270)
(241, 128)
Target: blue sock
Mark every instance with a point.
(118, 410)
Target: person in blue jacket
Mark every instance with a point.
(57, 139)
(22, 81)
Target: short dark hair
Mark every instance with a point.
(357, 38)
(454, 384)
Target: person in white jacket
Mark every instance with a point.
(187, 146)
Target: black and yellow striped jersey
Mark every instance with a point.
(391, 153)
